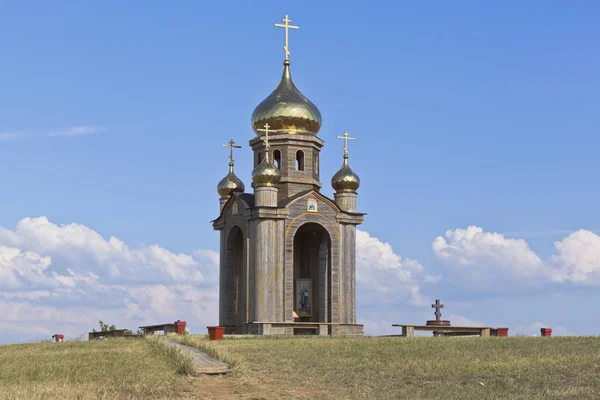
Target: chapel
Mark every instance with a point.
(287, 252)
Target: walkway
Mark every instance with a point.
(203, 363)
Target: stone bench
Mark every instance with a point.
(117, 333)
(176, 327)
(483, 331)
(293, 328)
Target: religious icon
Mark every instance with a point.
(311, 205)
(234, 209)
(303, 297)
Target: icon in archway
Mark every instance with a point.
(303, 297)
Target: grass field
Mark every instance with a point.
(430, 368)
(109, 369)
(308, 368)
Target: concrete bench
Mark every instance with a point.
(291, 328)
(409, 330)
(176, 327)
(117, 333)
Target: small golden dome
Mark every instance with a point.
(345, 180)
(230, 183)
(286, 109)
(265, 173)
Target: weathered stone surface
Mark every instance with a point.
(288, 232)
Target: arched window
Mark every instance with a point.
(316, 164)
(259, 158)
(277, 158)
(299, 160)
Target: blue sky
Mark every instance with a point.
(112, 117)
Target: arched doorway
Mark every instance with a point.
(233, 281)
(312, 273)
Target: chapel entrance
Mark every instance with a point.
(233, 271)
(312, 274)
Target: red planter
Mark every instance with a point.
(215, 332)
(58, 337)
(180, 326)
(502, 331)
(546, 331)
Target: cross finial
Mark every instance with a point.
(345, 137)
(266, 130)
(437, 306)
(287, 27)
(231, 146)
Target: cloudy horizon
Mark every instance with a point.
(64, 278)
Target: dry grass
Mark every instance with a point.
(108, 369)
(308, 368)
(389, 368)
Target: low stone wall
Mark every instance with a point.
(316, 328)
(347, 330)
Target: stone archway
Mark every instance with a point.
(234, 298)
(312, 273)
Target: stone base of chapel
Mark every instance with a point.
(297, 328)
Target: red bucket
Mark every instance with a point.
(546, 331)
(180, 326)
(502, 331)
(215, 332)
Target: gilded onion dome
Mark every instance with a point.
(266, 173)
(286, 109)
(345, 180)
(230, 183)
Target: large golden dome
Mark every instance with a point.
(286, 109)
(230, 183)
(345, 180)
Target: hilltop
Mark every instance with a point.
(308, 368)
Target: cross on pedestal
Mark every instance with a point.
(437, 306)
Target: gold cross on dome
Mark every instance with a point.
(266, 139)
(346, 137)
(287, 27)
(231, 146)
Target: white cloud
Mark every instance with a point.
(64, 278)
(472, 248)
(577, 259)
(78, 247)
(70, 131)
(381, 272)
(485, 259)
(11, 135)
(459, 320)
(67, 277)
(18, 268)
(379, 326)
(77, 131)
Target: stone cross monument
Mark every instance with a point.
(438, 315)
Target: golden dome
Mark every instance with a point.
(345, 180)
(230, 183)
(265, 173)
(287, 109)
